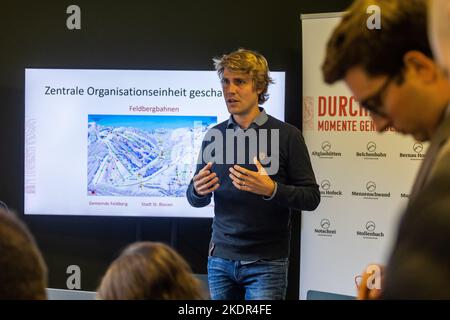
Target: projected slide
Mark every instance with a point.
(142, 155)
(120, 142)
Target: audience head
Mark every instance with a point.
(23, 273)
(149, 271)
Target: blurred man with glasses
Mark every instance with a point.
(391, 72)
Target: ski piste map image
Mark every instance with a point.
(143, 156)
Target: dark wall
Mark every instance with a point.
(156, 34)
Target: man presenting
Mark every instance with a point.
(249, 248)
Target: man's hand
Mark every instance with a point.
(205, 181)
(371, 282)
(252, 181)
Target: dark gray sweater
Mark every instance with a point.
(247, 226)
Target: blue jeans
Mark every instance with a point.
(239, 280)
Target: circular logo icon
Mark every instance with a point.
(371, 146)
(418, 147)
(370, 226)
(326, 146)
(371, 186)
(325, 224)
(325, 184)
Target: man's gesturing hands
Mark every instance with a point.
(205, 181)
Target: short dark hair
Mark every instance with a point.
(377, 51)
(23, 273)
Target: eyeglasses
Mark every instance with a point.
(374, 103)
